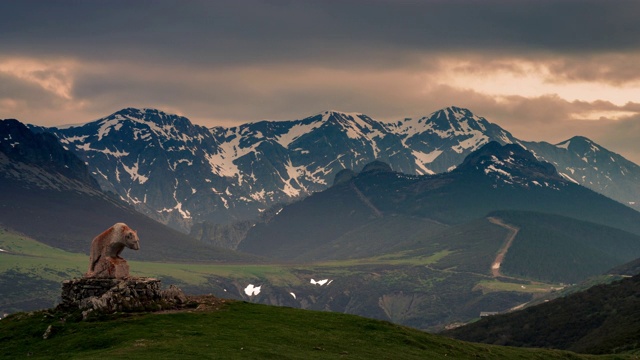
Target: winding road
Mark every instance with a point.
(513, 231)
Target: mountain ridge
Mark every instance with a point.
(226, 174)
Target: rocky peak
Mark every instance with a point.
(377, 166)
(510, 163)
(43, 150)
(156, 116)
(580, 145)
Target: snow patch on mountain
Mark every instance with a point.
(295, 132)
(321, 282)
(568, 178)
(252, 290)
(133, 173)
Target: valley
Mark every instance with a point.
(378, 287)
(497, 232)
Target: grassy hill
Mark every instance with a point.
(556, 248)
(602, 319)
(238, 330)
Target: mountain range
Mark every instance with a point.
(418, 250)
(181, 174)
(48, 194)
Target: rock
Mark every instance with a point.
(47, 333)
(111, 268)
(106, 296)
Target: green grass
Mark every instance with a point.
(495, 285)
(400, 258)
(26, 255)
(30, 278)
(241, 331)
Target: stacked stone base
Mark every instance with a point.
(91, 295)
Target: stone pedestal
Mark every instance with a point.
(112, 295)
(109, 268)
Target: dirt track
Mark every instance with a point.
(513, 231)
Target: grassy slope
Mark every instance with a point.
(31, 272)
(560, 249)
(601, 319)
(241, 331)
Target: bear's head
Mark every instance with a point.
(130, 239)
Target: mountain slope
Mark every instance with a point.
(559, 249)
(492, 178)
(602, 319)
(46, 194)
(582, 161)
(180, 173)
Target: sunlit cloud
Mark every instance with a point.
(504, 77)
(53, 76)
(604, 115)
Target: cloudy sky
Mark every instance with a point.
(544, 70)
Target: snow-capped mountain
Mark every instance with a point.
(493, 178)
(511, 165)
(181, 173)
(584, 162)
(47, 193)
(162, 164)
(440, 141)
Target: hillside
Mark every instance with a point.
(560, 249)
(47, 194)
(602, 319)
(490, 179)
(228, 330)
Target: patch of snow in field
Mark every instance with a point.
(294, 295)
(252, 290)
(321, 282)
(3, 250)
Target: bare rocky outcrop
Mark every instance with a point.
(107, 296)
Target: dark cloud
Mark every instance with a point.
(228, 32)
(230, 61)
(611, 68)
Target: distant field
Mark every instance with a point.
(30, 255)
(415, 288)
(494, 285)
